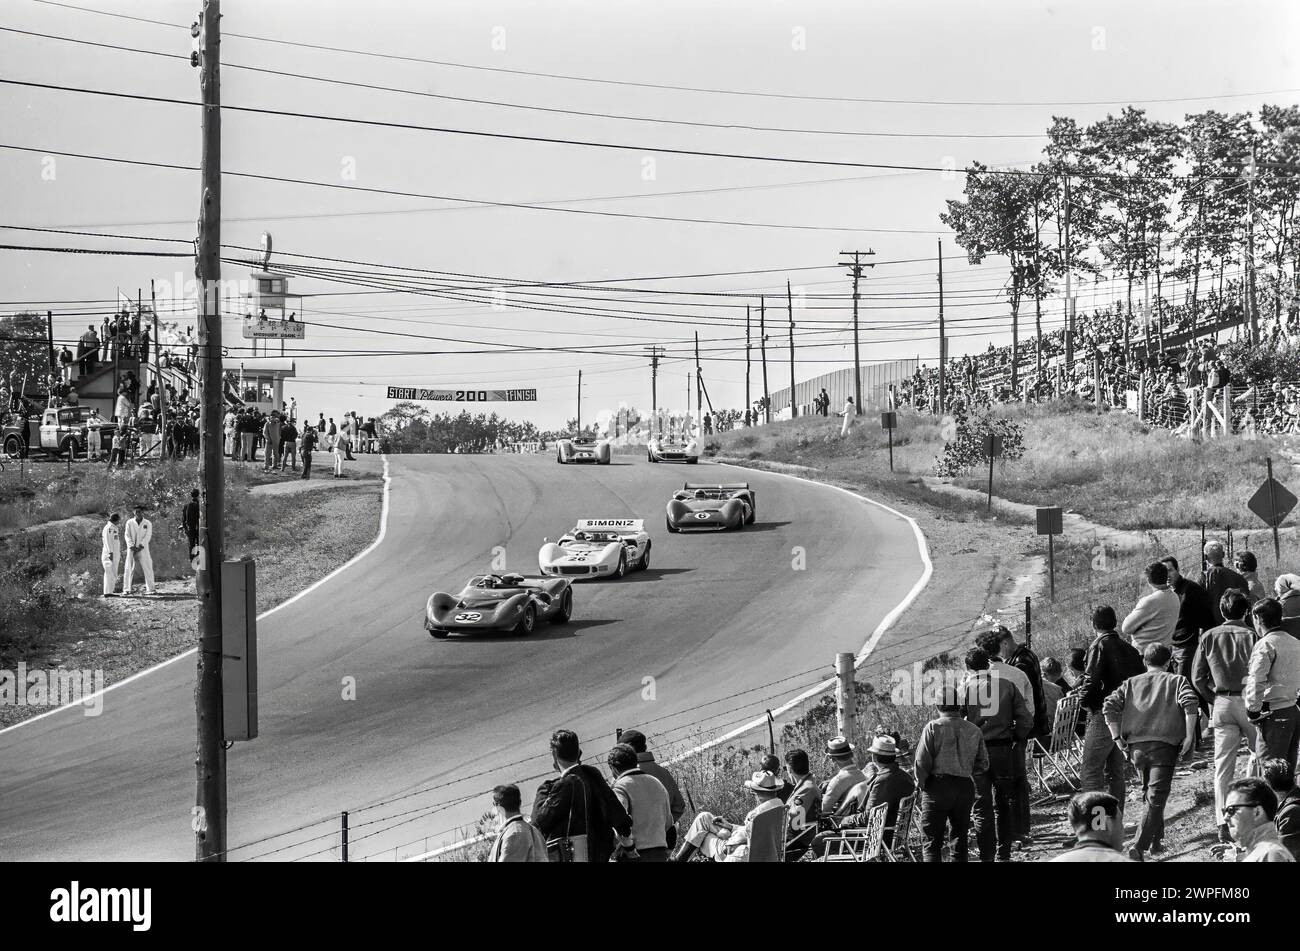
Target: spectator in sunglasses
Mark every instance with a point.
(1249, 814)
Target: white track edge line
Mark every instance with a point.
(383, 530)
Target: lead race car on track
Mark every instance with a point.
(582, 448)
(659, 449)
(598, 548)
(506, 602)
(711, 508)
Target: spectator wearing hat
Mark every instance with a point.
(1280, 776)
(518, 840)
(772, 764)
(645, 761)
(886, 784)
(949, 755)
(577, 811)
(802, 804)
(1109, 662)
(1287, 587)
(1272, 682)
(645, 800)
(1218, 578)
(760, 838)
(1194, 616)
(847, 774)
(1251, 810)
(1155, 616)
(1247, 565)
(1098, 829)
(1153, 715)
(996, 705)
(1219, 676)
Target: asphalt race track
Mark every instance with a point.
(714, 615)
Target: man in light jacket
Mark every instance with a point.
(1154, 618)
(1272, 682)
(138, 534)
(644, 799)
(111, 554)
(645, 761)
(518, 840)
(1153, 717)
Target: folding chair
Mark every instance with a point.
(1060, 755)
(859, 845)
(901, 848)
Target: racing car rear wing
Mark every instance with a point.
(624, 526)
(727, 486)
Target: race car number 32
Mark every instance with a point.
(468, 616)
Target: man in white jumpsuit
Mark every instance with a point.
(139, 532)
(849, 412)
(111, 555)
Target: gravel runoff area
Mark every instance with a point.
(325, 526)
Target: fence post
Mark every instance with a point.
(845, 701)
(1029, 630)
(345, 835)
(1096, 378)
(1227, 411)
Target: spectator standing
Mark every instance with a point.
(645, 800)
(1217, 579)
(111, 553)
(1287, 587)
(1098, 829)
(996, 704)
(949, 755)
(1020, 657)
(138, 535)
(1280, 777)
(94, 433)
(1154, 715)
(1155, 617)
(1194, 616)
(848, 413)
(1247, 565)
(1251, 810)
(577, 811)
(190, 517)
(271, 441)
(88, 350)
(847, 775)
(288, 445)
(1219, 676)
(308, 445)
(518, 840)
(645, 761)
(1272, 682)
(825, 399)
(65, 363)
(117, 451)
(1109, 662)
(339, 445)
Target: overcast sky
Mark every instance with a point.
(1041, 58)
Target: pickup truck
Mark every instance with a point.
(54, 432)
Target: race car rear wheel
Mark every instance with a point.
(565, 613)
(753, 514)
(527, 621)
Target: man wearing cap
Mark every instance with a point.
(645, 761)
(138, 534)
(111, 553)
(840, 753)
(996, 705)
(1152, 717)
(761, 838)
(887, 784)
(949, 755)
(1272, 682)
(1219, 676)
(1217, 578)
(576, 811)
(1287, 587)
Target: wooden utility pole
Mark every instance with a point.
(49, 336)
(762, 348)
(1069, 300)
(209, 817)
(579, 401)
(1038, 306)
(157, 375)
(943, 342)
(654, 390)
(748, 405)
(699, 389)
(855, 271)
(789, 303)
(1250, 248)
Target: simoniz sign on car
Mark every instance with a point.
(462, 396)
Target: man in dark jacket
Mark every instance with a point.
(1110, 661)
(1281, 779)
(996, 705)
(1026, 661)
(579, 803)
(308, 445)
(886, 784)
(190, 522)
(1194, 616)
(1218, 578)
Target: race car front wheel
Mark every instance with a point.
(621, 570)
(527, 621)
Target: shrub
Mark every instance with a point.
(965, 449)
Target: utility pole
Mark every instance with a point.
(654, 390)
(748, 405)
(209, 817)
(1038, 306)
(762, 347)
(1069, 300)
(699, 389)
(943, 342)
(1250, 247)
(157, 375)
(789, 303)
(49, 335)
(579, 401)
(855, 271)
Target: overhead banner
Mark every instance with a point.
(255, 329)
(462, 396)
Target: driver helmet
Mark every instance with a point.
(580, 536)
(700, 494)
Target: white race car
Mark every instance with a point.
(598, 548)
(582, 449)
(674, 449)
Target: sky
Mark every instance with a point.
(960, 82)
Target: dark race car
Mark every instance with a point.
(711, 508)
(500, 603)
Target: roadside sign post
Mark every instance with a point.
(887, 422)
(992, 449)
(1273, 502)
(1050, 523)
